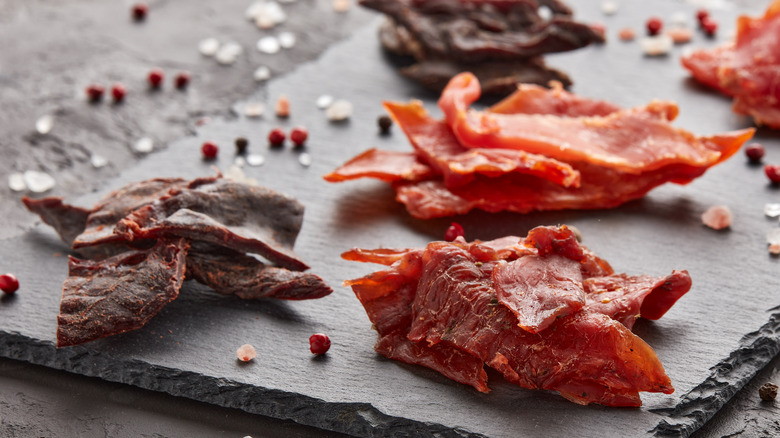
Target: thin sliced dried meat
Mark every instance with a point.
(634, 141)
(67, 220)
(704, 65)
(444, 297)
(436, 146)
(120, 293)
(245, 218)
(389, 166)
(232, 273)
(555, 101)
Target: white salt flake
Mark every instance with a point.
(144, 145)
(98, 161)
(341, 5)
(717, 217)
(679, 19)
(772, 210)
(254, 110)
(269, 15)
(229, 53)
(609, 7)
(324, 101)
(208, 47)
(44, 124)
(339, 110)
(16, 182)
(262, 73)
(304, 159)
(235, 173)
(545, 13)
(773, 236)
(268, 45)
(659, 45)
(287, 40)
(38, 182)
(254, 10)
(239, 161)
(246, 353)
(255, 160)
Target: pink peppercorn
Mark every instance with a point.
(182, 80)
(155, 77)
(454, 231)
(709, 26)
(9, 283)
(654, 25)
(319, 343)
(773, 173)
(298, 135)
(139, 11)
(118, 92)
(209, 150)
(755, 152)
(276, 137)
(701, 15)
(95, 92)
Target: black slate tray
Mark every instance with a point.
(711, 342)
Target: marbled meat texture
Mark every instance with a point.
(456, 307)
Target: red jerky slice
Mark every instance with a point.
(232, 273)
(69, 221)
(245, 218)
(533, 99)
(633, 141)
(386, 166)
(120, 293)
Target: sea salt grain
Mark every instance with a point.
(286, 40)
(338, 111)
(268, 45)
(254, 110)
(324, 101)
(341, 5)
(16, 182)
(772, 210)
(773, 236)
(144, 145)
(38, 182)
(229, 53)
(717, 217)
(255, 160)
(262, 73)
(208, 47)
(98, 161)
(44, 124)
(609, 7)
(304, 159)
(659, 45)
(246, 353)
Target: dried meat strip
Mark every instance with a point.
(634, 141)
(554, 101)
(747, 69)
(388, 166)
(444, 297)
(67, 220)
(245, 218)
(232, 273)
(120, 293)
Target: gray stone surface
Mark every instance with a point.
(712, 343)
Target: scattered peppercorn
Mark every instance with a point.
(627, 34)
(319, 343)
(246, 352)
(182, 80)
(241, 145)
(709, 26)
(701, 15)
(139, 11)
(454, 231)
(118, 92)
(385, 123)
(755, 152)
(768, 391)
(772, 172)
(9, 283)
(282, 107)
(155, 77)
(654, 26)
(209, 150)
(95, 92)
(276, 137)
(298, 135)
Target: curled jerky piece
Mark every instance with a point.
(120, 293)
(245, 218)
(438, 307)
(232, 273)
(389, 166)
(67, 220)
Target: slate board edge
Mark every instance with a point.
(357, 419)
(729, 376)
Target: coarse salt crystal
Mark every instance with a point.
(208, 47)
(239, 161)
(339, 110)
(98, 161)
(268, 45)
(341, 5)
(287, 40)
(246, 353)
(44, 124)
(773, 236)
(254, 110)
(144, 145)
(16, 182)
(717, 217)
(255, 160)
(304, 159)
(269, 15)
(324, 101)
(609, 7)
(772, 210)
(659, 45)
(262, 73)
(679, 19)
(38, 182)
(229, 53)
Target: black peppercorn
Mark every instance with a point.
(384, 122)
(241, 145)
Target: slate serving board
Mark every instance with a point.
(711, 342)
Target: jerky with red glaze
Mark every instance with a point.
(232, 273)
(245, 218)
(120, 293)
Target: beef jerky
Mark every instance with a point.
(120, 293)
(245, 218)
(388, 166)
(67, 220)
(232, 273)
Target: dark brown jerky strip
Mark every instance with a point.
(118, 204)
(118, 294)
(69, 221)
(248, 219)
(231, 273)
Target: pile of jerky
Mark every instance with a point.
(501, 41)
